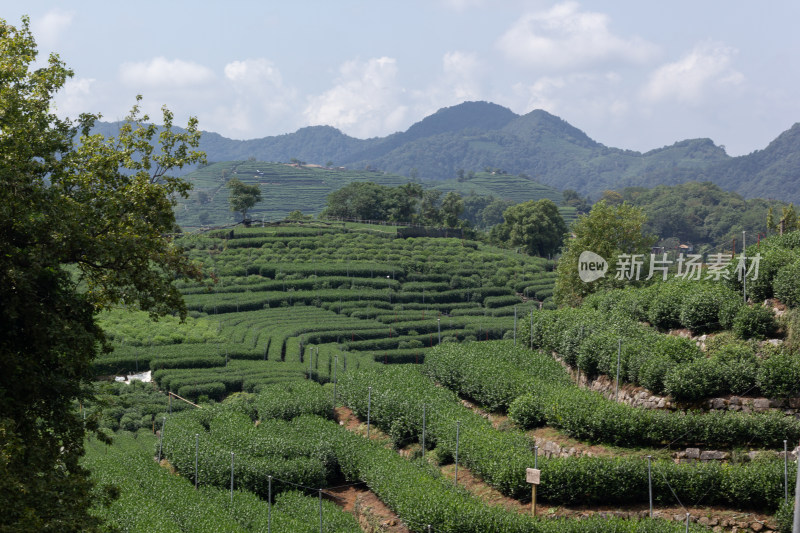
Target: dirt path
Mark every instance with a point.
(372, 515)
(369, 510)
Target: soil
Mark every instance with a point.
(372, 515)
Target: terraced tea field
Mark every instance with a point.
(390, 365)
(286, 302)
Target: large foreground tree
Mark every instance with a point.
(84, 225)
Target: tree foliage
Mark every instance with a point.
(404, 203)
(536, 226)
(607, 231)
(82, 228)
(701, 213)
(242, 196)
(452, 207)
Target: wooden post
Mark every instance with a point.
(532, 476)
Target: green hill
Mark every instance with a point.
(289, 187)
(475, 136)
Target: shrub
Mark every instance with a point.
(708, 307)
(693, 382)
(653, 371)
(665, 307)
(785, 285)
(779, 375)
(755, 322)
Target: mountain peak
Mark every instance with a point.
(482, 115)
(538, 122)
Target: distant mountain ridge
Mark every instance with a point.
(474, 136)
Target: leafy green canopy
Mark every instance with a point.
(82, 228)
(243, 197)
(607, 231)
(536, 226)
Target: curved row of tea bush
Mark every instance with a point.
(152, 499)
(418, 493)
(274, 447)
(593, 340)
(218, 382)
(537, 391)
(421, 496)
(500, 457)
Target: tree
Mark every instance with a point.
(612, 197)
(83, 226)
(400, 203)
(297, 216)
(771, 225)
(452, 207)
(429, 207)
(242, 196)
(573, 199)
(608, 231)
(788, 218)
(361, 200)
(537, 226)
(492, 214)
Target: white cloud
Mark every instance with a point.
(254, 95)
(542, 94)
(564, 37)
(162, 72)
(48, 28)
(460, 5)
(75, 97)
(255, 71)
(462, 76)
(366, 100)
(706, 69)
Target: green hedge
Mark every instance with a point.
(537, 391)
(501, 457)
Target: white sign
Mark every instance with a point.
(532, 475)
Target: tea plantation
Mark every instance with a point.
(295, 323)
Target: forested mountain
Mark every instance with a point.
(478, 136)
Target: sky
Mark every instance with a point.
(631, 74)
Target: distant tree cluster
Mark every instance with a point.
(484, 212)
(535, 226)
(703, 214)
(404, 203)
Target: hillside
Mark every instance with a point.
(475, 136)
(323, 358)
(287, 187)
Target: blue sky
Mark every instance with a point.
(630, 73)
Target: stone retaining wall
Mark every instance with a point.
(641, 397)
